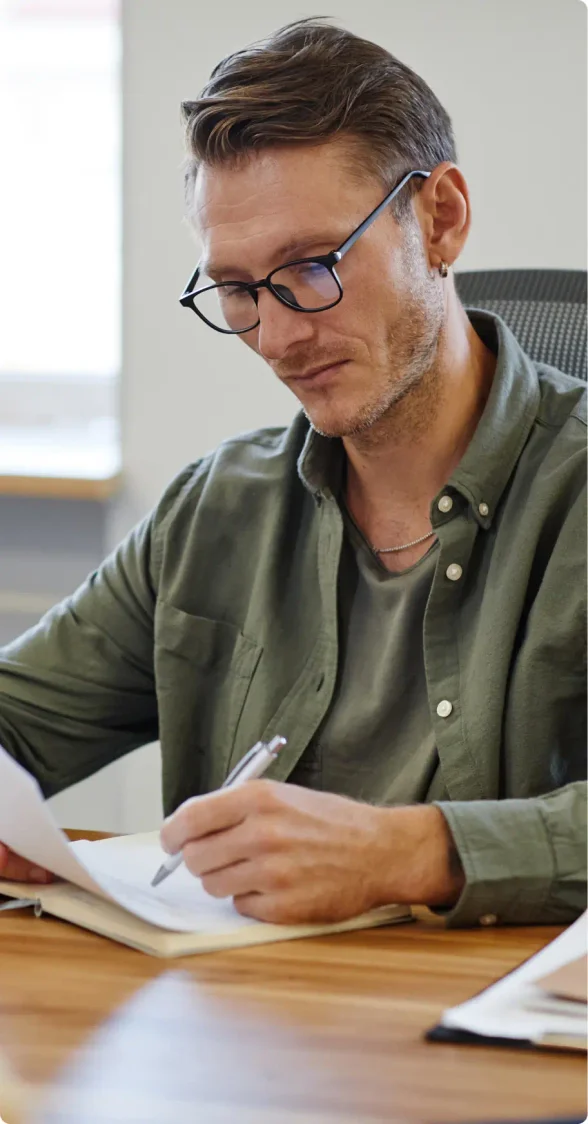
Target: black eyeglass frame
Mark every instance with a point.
(329, 260)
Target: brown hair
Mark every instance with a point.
(308, 83)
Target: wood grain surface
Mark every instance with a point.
(317, 1030)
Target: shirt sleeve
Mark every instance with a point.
(524, 860)
(77, 691)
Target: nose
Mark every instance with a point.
(280, 327)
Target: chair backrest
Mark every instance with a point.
(544, 308)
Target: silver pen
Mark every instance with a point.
(252, 765)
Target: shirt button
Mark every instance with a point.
(488, 919)
(453, 572)
(483, 508)
(444, 708)
(445, 503)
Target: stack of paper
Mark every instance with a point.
(542, 1003)
(569, 982)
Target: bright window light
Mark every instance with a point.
(60, 223)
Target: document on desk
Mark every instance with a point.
(107, 888)
(541, 1003)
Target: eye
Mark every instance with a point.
(308, 268)
(233, 292)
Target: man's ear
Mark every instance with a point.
(443, 210)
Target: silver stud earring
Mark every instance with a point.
(443, 268)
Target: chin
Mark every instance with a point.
(338, 423)
(328, 425)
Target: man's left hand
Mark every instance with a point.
(290, 855)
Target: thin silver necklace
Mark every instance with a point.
(394, 549)
(388, 549)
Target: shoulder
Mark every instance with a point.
(562, 401)
(250, 463)
(227, 503)
(555, 454)
(554, 466)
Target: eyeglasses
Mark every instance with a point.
(306, 285)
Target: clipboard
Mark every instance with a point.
(541, 1002)
(442, 1033)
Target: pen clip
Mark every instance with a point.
(271, 747)
(243, 762)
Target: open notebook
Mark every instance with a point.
(106, 885)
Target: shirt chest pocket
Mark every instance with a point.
(203, 671)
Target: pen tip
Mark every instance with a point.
(159, 877)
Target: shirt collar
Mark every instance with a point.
(320, 464)
(495, 447)
(510, 411)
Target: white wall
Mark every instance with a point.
(512, 75)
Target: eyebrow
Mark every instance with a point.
(292, 246)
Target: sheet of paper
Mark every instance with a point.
(120, 873)
(180, 902)
(28, 828)
(515, 1006)
(569, 982)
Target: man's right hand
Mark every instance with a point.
(18, 869)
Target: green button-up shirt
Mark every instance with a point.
(215, 624)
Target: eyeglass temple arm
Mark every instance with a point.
(191, 285)
(348, 243)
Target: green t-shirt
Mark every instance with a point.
(376, 742)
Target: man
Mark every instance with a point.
(395, 582)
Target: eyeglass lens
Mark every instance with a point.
(305, 285)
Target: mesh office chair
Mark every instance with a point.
(544, 308)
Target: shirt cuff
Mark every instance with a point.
(508, 862)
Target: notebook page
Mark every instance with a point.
(125, 867)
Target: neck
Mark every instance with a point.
(395, 468)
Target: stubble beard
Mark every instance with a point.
(411, 393)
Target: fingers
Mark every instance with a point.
(274, 909)
(240, 878)
(254, 838)
(18, 869)
(269, 875)
(217, 811)
(257, 889)
(214, 852)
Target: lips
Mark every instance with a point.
(325, 370)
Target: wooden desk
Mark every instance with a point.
(322, 1030)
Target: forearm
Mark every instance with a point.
(493, 861)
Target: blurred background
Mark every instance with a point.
(101, 371)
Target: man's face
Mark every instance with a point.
(381, 339)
